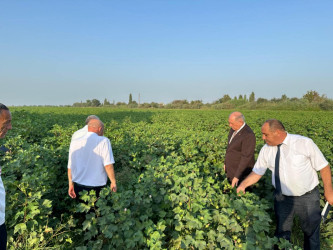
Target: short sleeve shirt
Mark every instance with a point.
(300, 159)
(80, 133)
(2, 201)
(88, 157)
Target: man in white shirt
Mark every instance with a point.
(90, 161)
(294, 161)
(5, 125)
(83, 131)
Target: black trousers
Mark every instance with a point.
(307, 208)
(78, 188)
(3, 237)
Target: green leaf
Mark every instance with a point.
(20, 228)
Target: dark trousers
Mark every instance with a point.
(3, 237)
(307, 208)
(78, 188)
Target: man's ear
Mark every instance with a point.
(100, 131)
(279, 132)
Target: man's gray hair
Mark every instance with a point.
(91, 117)
(238, 116)
(274, 125)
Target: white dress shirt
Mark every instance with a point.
(87, 159)
(300, 159)
(80, 133)
(236, 131)
(2, 201)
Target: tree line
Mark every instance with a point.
(312, 100)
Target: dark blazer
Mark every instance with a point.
(239, 157)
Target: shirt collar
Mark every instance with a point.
(91, 133)
(240, 128)
(286, 140)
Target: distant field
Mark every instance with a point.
(172, 191)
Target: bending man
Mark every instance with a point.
(294, 161)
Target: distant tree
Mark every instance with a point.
(106, 102)
(130, 100)
(326, 105)
(284, 97)
(95, 103)
(240, 97)
(120, 103)
(224, 99)
(179, 102)
(252, 97)
(133, 104)
(245, 98)
(196, 102)
(89, 103)
(261, 100)
(312, 96)
(235, 98)
(294, 99)
(78, 104)
(154, 105)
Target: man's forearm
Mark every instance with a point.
(326, 176)
(110, 172)
(69, 173)
(71, 191)
(250, 180)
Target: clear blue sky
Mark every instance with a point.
(61, 52)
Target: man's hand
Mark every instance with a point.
(250, 180)
(113, 187)
(234, 182)
(224, 167)
(71, 191)
(110, 172)
(329, 197)
(241, 189)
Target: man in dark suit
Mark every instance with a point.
(239, 157)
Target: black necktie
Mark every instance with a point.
(277, 171)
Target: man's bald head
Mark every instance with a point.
(96, 126)
(91, 117)
(236, 120)
(238, 116)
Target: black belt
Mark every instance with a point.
(311, 191)
(84, 186)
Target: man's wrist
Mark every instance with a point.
(328, 192)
